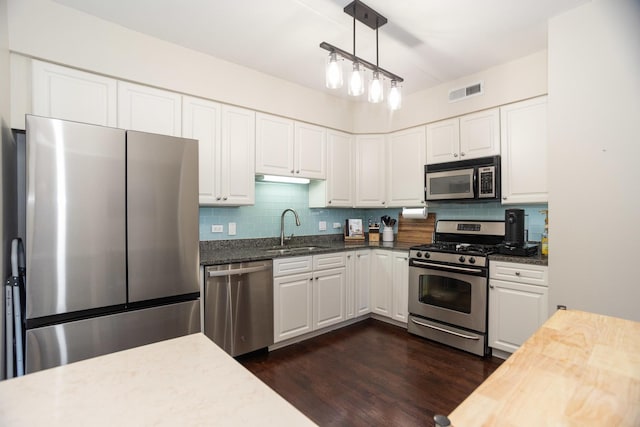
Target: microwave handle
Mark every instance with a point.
(476, 190)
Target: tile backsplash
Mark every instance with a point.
(263, 218)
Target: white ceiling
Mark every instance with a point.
(426, 42)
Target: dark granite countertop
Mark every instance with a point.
(214, 252)
(534, 259)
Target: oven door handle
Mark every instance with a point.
(468, 337)
(452, 267)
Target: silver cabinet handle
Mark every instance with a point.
(238, 271)
(291, 170)
(384, 203)
(461, 154)
(455, 154)
(504, 198)
(329, 202)
(298, 171)
(469, 337)
(218, 198)
(517, 273)
(224, 198)
(491, 286)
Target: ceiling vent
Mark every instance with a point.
(466, 92)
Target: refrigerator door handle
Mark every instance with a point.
(238, 271)
(232, 324)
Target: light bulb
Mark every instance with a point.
(376, 90)
(395, 96)
(356, 81)
(333, 72)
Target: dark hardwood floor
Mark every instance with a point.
(371, 374)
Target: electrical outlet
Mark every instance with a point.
(232, 229)
(337, 225)
(322, 226)
(217, 228)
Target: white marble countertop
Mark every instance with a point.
(179, 382)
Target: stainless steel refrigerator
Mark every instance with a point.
(111, 240)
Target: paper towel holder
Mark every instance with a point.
(415, 213)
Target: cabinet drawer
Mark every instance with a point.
(521, 273)
(295, 265)
(325, 261)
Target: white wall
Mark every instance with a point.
(505, 83)
(594, 174)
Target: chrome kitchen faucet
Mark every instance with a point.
(282, 238)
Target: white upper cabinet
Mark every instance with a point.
(288, 148)
(370, 171)
(524, 151)
(148, 109)
(338, 189)
(310, 150)
(226, 150)
(480, 134)
(467, 137)
(274, 145)
(443, 141)
(406, 157)
(68, 94)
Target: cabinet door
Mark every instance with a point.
(443, 141)
(381, 282)
(329, 292)
(400, 286)
(524, 151)
(405, 174)
(350, 291)
(237, 171)
(147, 109)
(370, 171)
(480, 134)
(274, 145)
(338, 189)
(310, 151)
(516, 311)
(201, 121)
(292, 306)
(68, 94)
(363, 282)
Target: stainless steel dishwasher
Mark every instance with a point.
(238, 306)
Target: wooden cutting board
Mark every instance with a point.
(416, 230)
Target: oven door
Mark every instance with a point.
(456, 295)
(450, 184)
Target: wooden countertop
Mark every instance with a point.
(578, 369)
(187, 381)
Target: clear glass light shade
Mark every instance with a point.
(356, 81)
(395, 96)
(376, 89)
(333, 72)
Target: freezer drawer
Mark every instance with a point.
(57, 345)
(239, 306)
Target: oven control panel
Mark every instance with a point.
(430, 257)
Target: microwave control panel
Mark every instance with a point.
(487, 178)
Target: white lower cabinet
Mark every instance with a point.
(362, 285)
(518, 303)
(381, 282)
(309, 293)
(400, 294)
(390, 284)
(292, 305)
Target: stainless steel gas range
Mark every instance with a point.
(449, 284)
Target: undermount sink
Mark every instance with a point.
(293, 249)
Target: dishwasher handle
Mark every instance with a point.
(236, 272)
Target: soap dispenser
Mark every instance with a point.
(544, 242)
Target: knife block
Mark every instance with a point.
(374, 234)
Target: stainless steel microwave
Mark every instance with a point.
(464, 180)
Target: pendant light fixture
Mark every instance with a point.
(363, 13)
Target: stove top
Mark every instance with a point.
(461, 242)
(455, 247)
